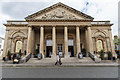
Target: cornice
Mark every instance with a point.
(9, 25)
(58, 20)
(101, 24)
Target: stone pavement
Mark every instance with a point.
(66, 62)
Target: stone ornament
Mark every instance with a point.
(58, 14)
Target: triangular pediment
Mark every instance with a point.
(59, 11)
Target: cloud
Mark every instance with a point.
(19, 9)
(3, 19)
(100, 11)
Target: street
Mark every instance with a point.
(60, 72)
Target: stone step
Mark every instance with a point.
(84, 59)
(64, 60)
(45, 60)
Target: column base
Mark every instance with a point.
(53, 55)
(43, 56)
(77, 55)
(67, 55)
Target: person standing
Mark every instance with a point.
(18, 58)
(14, 56)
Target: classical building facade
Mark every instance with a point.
(58, 28)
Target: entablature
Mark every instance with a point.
(57, 23)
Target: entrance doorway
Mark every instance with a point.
(48, 51)
(71, 47)
(71, 51)
(18, 46)
(48, 48)
(60, 49)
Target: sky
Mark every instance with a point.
(98, 9)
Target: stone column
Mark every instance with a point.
(33, 40)
(112, 45)
(12, 45)
(5, 44)
(42, 41)
(54, 42)
(90, 40)
(66, 42)
(86, 40)
(105, 48)
(25, 45)
(108, 45)
(78, 40)
(29, 44)
(94, 44)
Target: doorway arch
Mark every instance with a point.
(99, 45)
(18, 46)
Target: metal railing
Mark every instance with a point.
(94, 57)
(26, 58)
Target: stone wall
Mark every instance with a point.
(15, 34)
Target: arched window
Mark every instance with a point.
(18, 46)
(99, 45)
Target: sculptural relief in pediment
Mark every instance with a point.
(59, 13)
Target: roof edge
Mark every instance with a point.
(56, 5)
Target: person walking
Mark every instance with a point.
(58, 60)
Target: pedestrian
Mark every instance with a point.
(58, 60)
(4, 59)
(39, 56)
(18, 58)
(25, 52)
(60, 53)
(14, 55)
(80, 55)
(14, 58)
